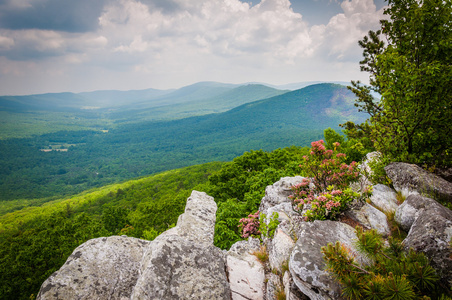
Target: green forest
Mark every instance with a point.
(29, 170)
(36, 241)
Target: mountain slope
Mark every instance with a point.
(22, 116)
(196, 104)
(138, 149)
(111, 98)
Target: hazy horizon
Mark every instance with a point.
(51, 46)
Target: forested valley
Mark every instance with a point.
(80, 160)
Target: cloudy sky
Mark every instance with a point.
(85, 45)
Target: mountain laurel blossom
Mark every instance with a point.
(326, 194)
(250, 226)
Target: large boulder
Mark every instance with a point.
(181, 263)
(197, 223)
(430, 231)
(102, 268)
(413, 206)
(176, 268)
(412, 179)
(306, 261)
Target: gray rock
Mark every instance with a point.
(412, 207)
(306, 263)
(274, 286)
(177, 268)
(412, 179)
(280, 248)
(430, 231)
(366, 171)
(245, 272)
(181, 263)
(371, 218)
(384, 198)
(277, 200)
(197, 223)
(102, 268)
(277, 197)
(292, 291)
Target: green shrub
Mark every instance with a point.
(391, 274)
(273, 222)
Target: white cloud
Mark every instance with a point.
(341, 35)
(6, 42)
(353, 7)
(223, 40)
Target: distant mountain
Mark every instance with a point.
(314, 107)
(209, 96)
(195, 101)
(95, 158)
(126, 100)
(107, 99)
(43, 102)
(299, 85)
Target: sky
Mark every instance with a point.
(86, 45)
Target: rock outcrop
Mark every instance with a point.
(246, 273)
(412, 179)
(371, 218)
(384, 198)
(183, 263)
(429, 226)
(102, 268)
(306, 261)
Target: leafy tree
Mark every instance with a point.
(354, 145)
(412, 71)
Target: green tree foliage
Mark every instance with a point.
(412, 72)
(391, 274)
(239, 186)
(353, 145)
(36, 241)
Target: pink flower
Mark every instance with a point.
(340, 155)
(336, 192)
(322, 198)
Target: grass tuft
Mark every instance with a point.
(262, 255)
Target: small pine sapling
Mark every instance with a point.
(391, 272)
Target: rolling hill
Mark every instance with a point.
(130, 150)
(24, 116)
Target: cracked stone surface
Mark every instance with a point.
(102, 268)
(181, 263)
(306, 261)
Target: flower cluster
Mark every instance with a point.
(326, 205)
(326, 194)
(250, 226)
(328, 167)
